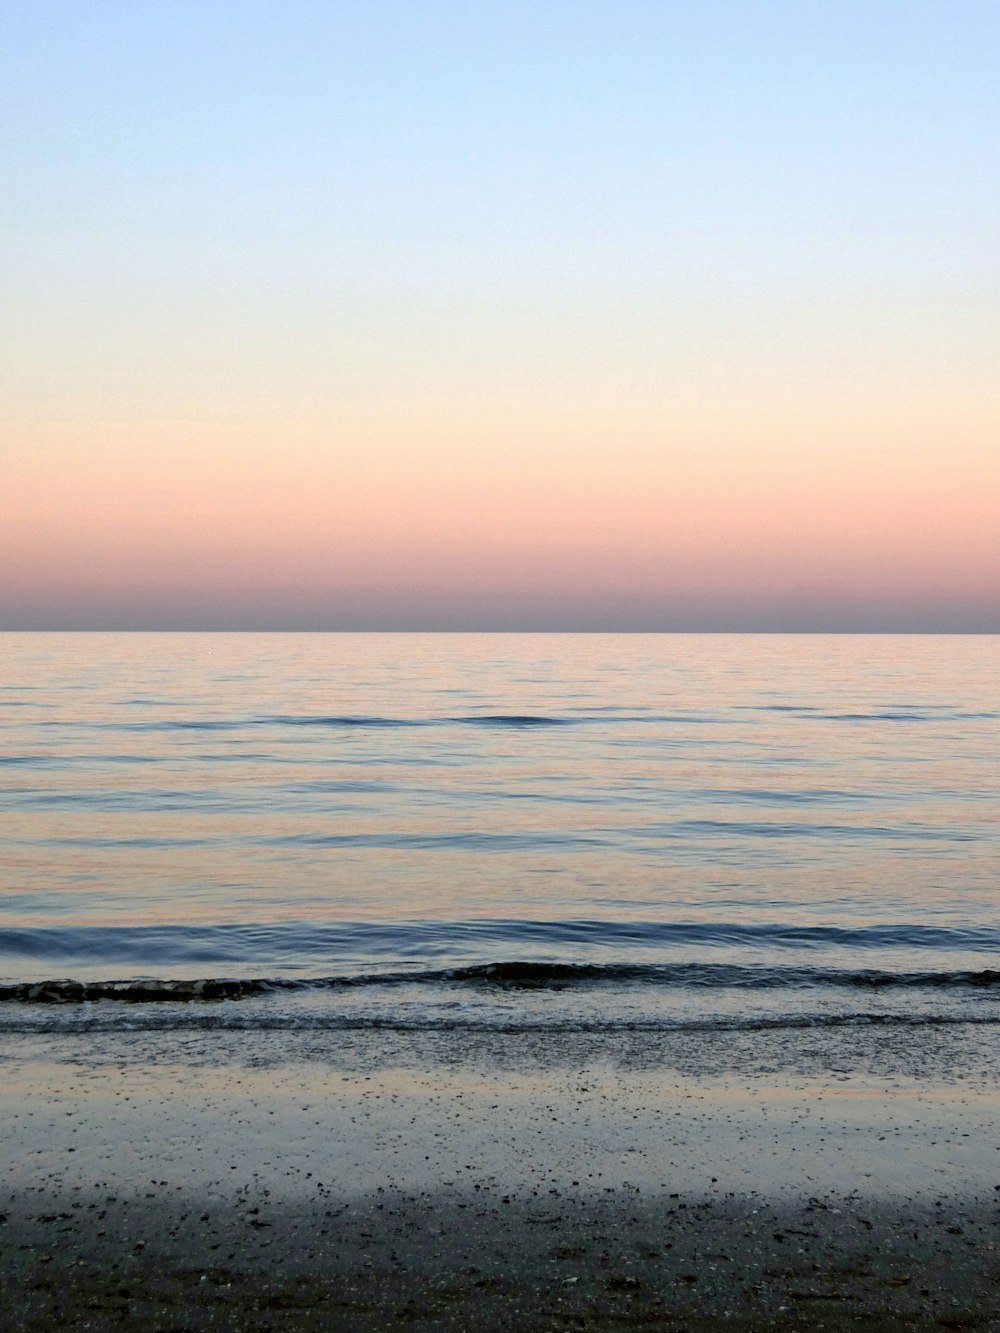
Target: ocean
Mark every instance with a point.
(498, 831)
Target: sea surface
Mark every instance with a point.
(576, 832)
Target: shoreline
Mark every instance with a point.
(299, 1180)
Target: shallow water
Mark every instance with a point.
(499, 829)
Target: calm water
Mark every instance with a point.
(499, 829)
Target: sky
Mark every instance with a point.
(436, 314)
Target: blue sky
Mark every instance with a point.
(217, 210)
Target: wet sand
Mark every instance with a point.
(172, 1180)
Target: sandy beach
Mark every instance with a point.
(493, 1180)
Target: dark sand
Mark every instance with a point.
(484, 1260)
(248, 1180)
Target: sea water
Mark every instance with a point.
(509, 832)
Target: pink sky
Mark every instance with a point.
(589, 315)
(450, 515)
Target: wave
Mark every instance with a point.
(579, 941)
(749, 828)
(901, 713)
(511, 975)
(340, 721)
(691, 835)
(903, 716)
(523, 721)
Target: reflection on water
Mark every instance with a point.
(282, 785)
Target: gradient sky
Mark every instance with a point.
(597, 315)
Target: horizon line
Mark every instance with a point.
(430, 629)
